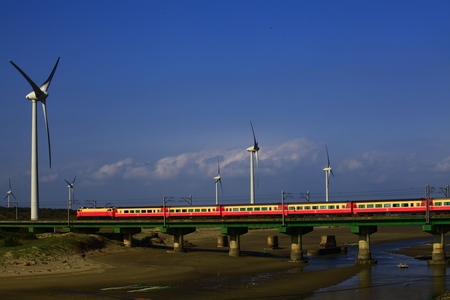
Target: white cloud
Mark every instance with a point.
(443, 166)
(112, 170)
(204, 163)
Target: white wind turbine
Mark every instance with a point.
(9, 193)
(253, 157)
(327, 170)
(71, 192)
(218, 180)
(39, 94)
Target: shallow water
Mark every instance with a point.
(384, 280)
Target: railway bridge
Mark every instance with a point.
(295, 227)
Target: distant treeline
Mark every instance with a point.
(24, 213)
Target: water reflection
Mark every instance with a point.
(385, 280)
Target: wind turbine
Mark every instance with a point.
(39, 94)
(253, 157)
(9, 193)
(218, 180)
(327, 170)
(71, 192)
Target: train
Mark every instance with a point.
(274, 210)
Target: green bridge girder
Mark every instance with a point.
(300, 222)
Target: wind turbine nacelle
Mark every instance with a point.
(252, 149)
(32, 96)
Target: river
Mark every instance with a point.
(384, 280)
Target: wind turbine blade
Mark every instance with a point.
(328, 156)
(74, 179)
(220, 181)
(6, 196)
(257, 168)
(14, 196)
(44, 108)
(255, 142)
(36, 89)
(218, 167)
(67, 182)
(46, 84)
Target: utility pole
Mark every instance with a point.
(427, 197)
(188, 200)
(165, 200)
(306, 196)
(283, 197)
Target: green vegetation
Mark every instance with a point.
(24, 213)
(28, 245)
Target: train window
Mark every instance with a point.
(387, 205)
(184, 210)
(197, 210)
(235, 209)
(257, 208)
(249, 208)
(323, 207)
(242, 209)
(315, 207)
(204, 210)
(264, 208)
(438, 204)
(369, 205)
(132, 211)
(291, 208)
(171, 210)
(331, 207)
(144, 211)
(190, 210)
(378, 205)
(299, 207)
(307, 207)
(138, 211)
(125, 211)
(270, 208)
(395, 205)
(446, 203)
(361, 206)
(405, 204)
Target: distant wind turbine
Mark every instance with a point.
(39, 94)
(71, 192)
(9, 193)
(253, 158)
(328, 170)
(218, 180)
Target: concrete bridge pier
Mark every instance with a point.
(296, 234)
(364, 232)
(235, 238)
(127, 234)
(178, 234)
(438, 256)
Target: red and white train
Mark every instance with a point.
(365, 207)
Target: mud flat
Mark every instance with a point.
(204, 271)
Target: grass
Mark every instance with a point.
(28, 246)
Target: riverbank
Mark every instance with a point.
(204, 271)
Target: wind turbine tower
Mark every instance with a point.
(71, 192)
(218, 180)
(9, 193)
(253, 158)
(39, 94)
(328, 170)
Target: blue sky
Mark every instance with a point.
(148, 94)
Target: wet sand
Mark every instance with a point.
(204, 271)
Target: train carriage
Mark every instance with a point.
(364, 207)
